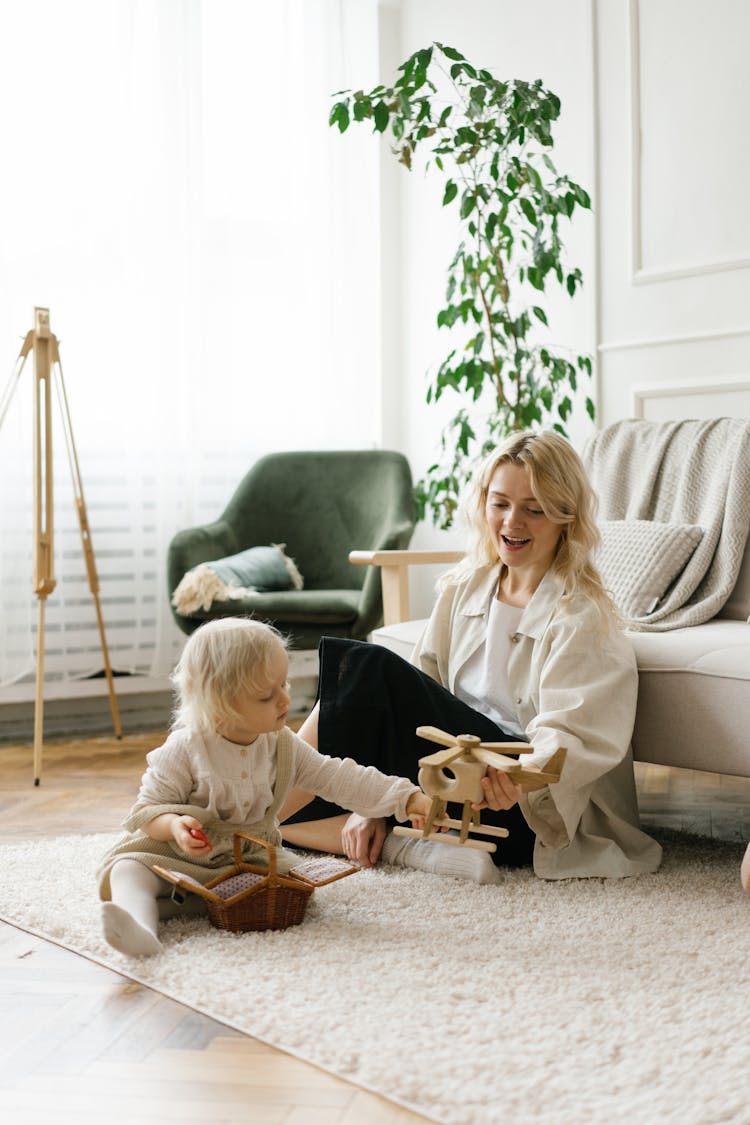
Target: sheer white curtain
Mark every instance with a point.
(209, 250)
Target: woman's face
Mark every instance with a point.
(522, 534)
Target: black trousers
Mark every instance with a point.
(372, 701)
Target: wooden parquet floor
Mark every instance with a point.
(81, 1044)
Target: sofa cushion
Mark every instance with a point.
(694, 697)
(639, 561)
(695, 647)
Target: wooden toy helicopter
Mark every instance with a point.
(467, 758)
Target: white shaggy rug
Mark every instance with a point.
(573, 1003)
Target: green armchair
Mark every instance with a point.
(321, 505)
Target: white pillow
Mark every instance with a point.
(639, 560)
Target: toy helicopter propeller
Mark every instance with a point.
(466, 758)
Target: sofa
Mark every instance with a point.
(694, 678)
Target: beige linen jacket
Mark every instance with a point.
(573, 687)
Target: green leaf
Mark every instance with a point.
(540, 314)
(452, 53)
(582, 196)
(450, 193)
(468, 203)
(339, 115)
(590, 409)
(381, 117)
(528, 210)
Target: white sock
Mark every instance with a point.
(130, 921)
(440, 859)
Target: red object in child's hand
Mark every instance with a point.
(198, 835)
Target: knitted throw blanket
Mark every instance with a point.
(686, 472)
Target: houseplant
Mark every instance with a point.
(489, 141)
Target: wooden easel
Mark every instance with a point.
(46, 363)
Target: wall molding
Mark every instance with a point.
(724, 384)
(639, 275)
(671, 341)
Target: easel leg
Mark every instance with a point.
(39, 704)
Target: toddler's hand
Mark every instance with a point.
(417, 808)
(188, 834)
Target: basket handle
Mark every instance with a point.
(237, 847)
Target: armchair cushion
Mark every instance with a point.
(258, 569)
(639, 560)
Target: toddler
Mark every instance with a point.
(227, 766)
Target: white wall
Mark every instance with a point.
(674, 183)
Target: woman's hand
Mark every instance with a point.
(362, 839)
(499, 791)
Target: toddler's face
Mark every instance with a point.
(265, 708)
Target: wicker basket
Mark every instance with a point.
(257, 898)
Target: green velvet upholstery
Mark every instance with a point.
(322, 505)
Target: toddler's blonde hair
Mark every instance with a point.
(222, 660)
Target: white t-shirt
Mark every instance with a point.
(482, 682)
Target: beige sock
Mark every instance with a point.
(440, 859)
(131, 919)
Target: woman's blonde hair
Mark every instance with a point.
(559, 482)
(221, 661)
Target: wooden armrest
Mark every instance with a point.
(394, 573)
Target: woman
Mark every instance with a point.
(524, 642)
